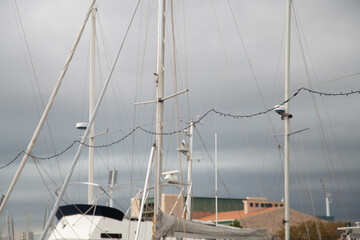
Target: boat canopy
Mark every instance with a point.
(92, 210)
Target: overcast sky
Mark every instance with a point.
(230, 55)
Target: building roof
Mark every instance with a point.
(231, 215)
(270, 219)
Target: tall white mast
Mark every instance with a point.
(159, 104)
(216, 182)
(91, 107)
(7, 232)
(287, 127)
(189, 171)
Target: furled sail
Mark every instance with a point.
(172, 226)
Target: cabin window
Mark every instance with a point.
(262, 205)
(276, 205)
(281, 205)
(256, 205)
(111, 235)
(251, 204)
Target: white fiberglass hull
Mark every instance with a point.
(94, 224)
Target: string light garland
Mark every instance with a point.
(7, 164)
(234, 116)
(55, 155)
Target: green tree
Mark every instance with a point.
(236, 223)
(310, 230)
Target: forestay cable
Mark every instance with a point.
(46, 112)
(67, 179)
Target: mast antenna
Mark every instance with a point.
(328, 199)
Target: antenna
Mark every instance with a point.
(327, 198)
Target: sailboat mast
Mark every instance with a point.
(189, 170)
(7, 233)
(216, 181)
(159, 104)
(287, 123)
(91, 107)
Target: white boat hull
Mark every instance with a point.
(95, 225)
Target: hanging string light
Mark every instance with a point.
(230, 115)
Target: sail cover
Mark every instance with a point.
(172, 226)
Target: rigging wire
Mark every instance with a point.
(301, 204)
(173, 59)
(108, 136)
(321, 127)
(85, 82)
(140, 66)
(36, 161)
(281, 160)
(176, 103)
(309, 189)
(185, 60)
(338, 78)
(271, 190)
(252, 69)
(22, 30)
(223, 49)
(117, 93)
(327, 113)
(296, 27)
